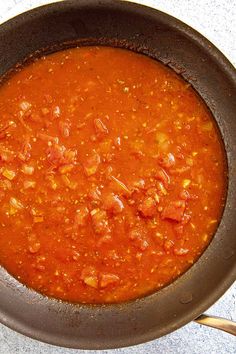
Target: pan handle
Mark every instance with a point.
(218, 323)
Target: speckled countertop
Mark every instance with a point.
(216, 20)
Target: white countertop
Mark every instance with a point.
(216, 20)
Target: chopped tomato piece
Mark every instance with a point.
(57, 155)
(174, 211)
(167, 160)
(138, 236)
(113, 204)
(148, 207)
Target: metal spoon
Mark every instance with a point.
(218, 323)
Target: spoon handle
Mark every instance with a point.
(218, 323)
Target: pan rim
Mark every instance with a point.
(229, 278)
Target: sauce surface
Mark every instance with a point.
(111, 175)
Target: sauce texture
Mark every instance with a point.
(112, 175)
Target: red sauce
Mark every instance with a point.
(111, 175)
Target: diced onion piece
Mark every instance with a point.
(52, 183)
(38, 218)
(91, 281)
(48, 138)
(100, 222)
(121, 184)
(12, 211)
(100, 127)
(163, 141)
(29, 184)
(24, 154)
(186, 183)
(92, 164)
(34, 244)
(68, 183)
(9, 174)
(161, 188)
(27, 170)
(161, 137)
(25, 105)
(81, 216)
(5, 184)
(66, 169)
(15, 203)
(139, 184)
(35, 212)
(207, 127)
(189, 161)
(6, 155)
(94, 211)
(56, 112)
(168, 244)
(89, 276)
(64, 128)
(45, 111)
(108, 279)
(163, 177)
(181, 251)
(184, 195)
(213, 221)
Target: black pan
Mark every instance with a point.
(162, 37)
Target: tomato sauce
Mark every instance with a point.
(112, 175)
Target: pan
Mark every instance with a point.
(160, 36)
